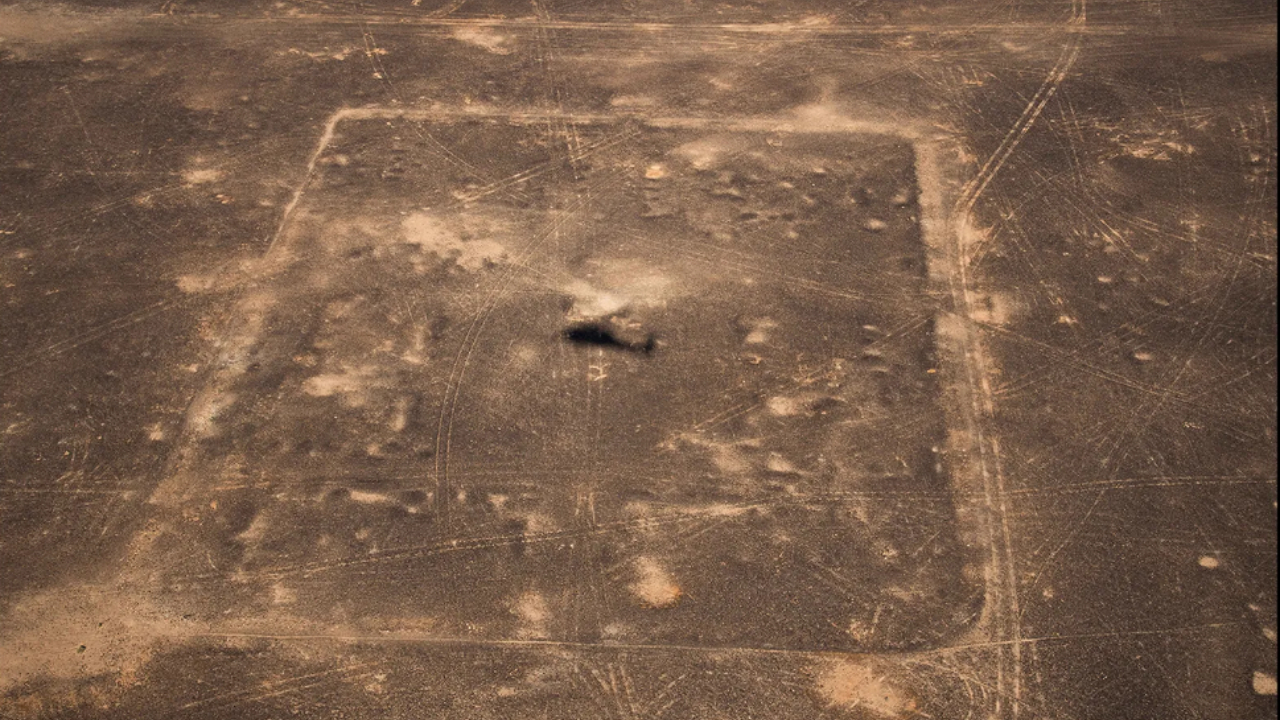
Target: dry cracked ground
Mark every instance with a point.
(683, 359)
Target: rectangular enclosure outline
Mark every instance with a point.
(974, 488)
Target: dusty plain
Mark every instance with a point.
(503, 359)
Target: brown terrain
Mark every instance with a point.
(684, 360)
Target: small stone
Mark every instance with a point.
(875, 225)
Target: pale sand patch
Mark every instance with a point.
(487, 38)
(848, 684)
(433, 234)
(654, 586)
(201, 176)
(78, 631)
(531, 607)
